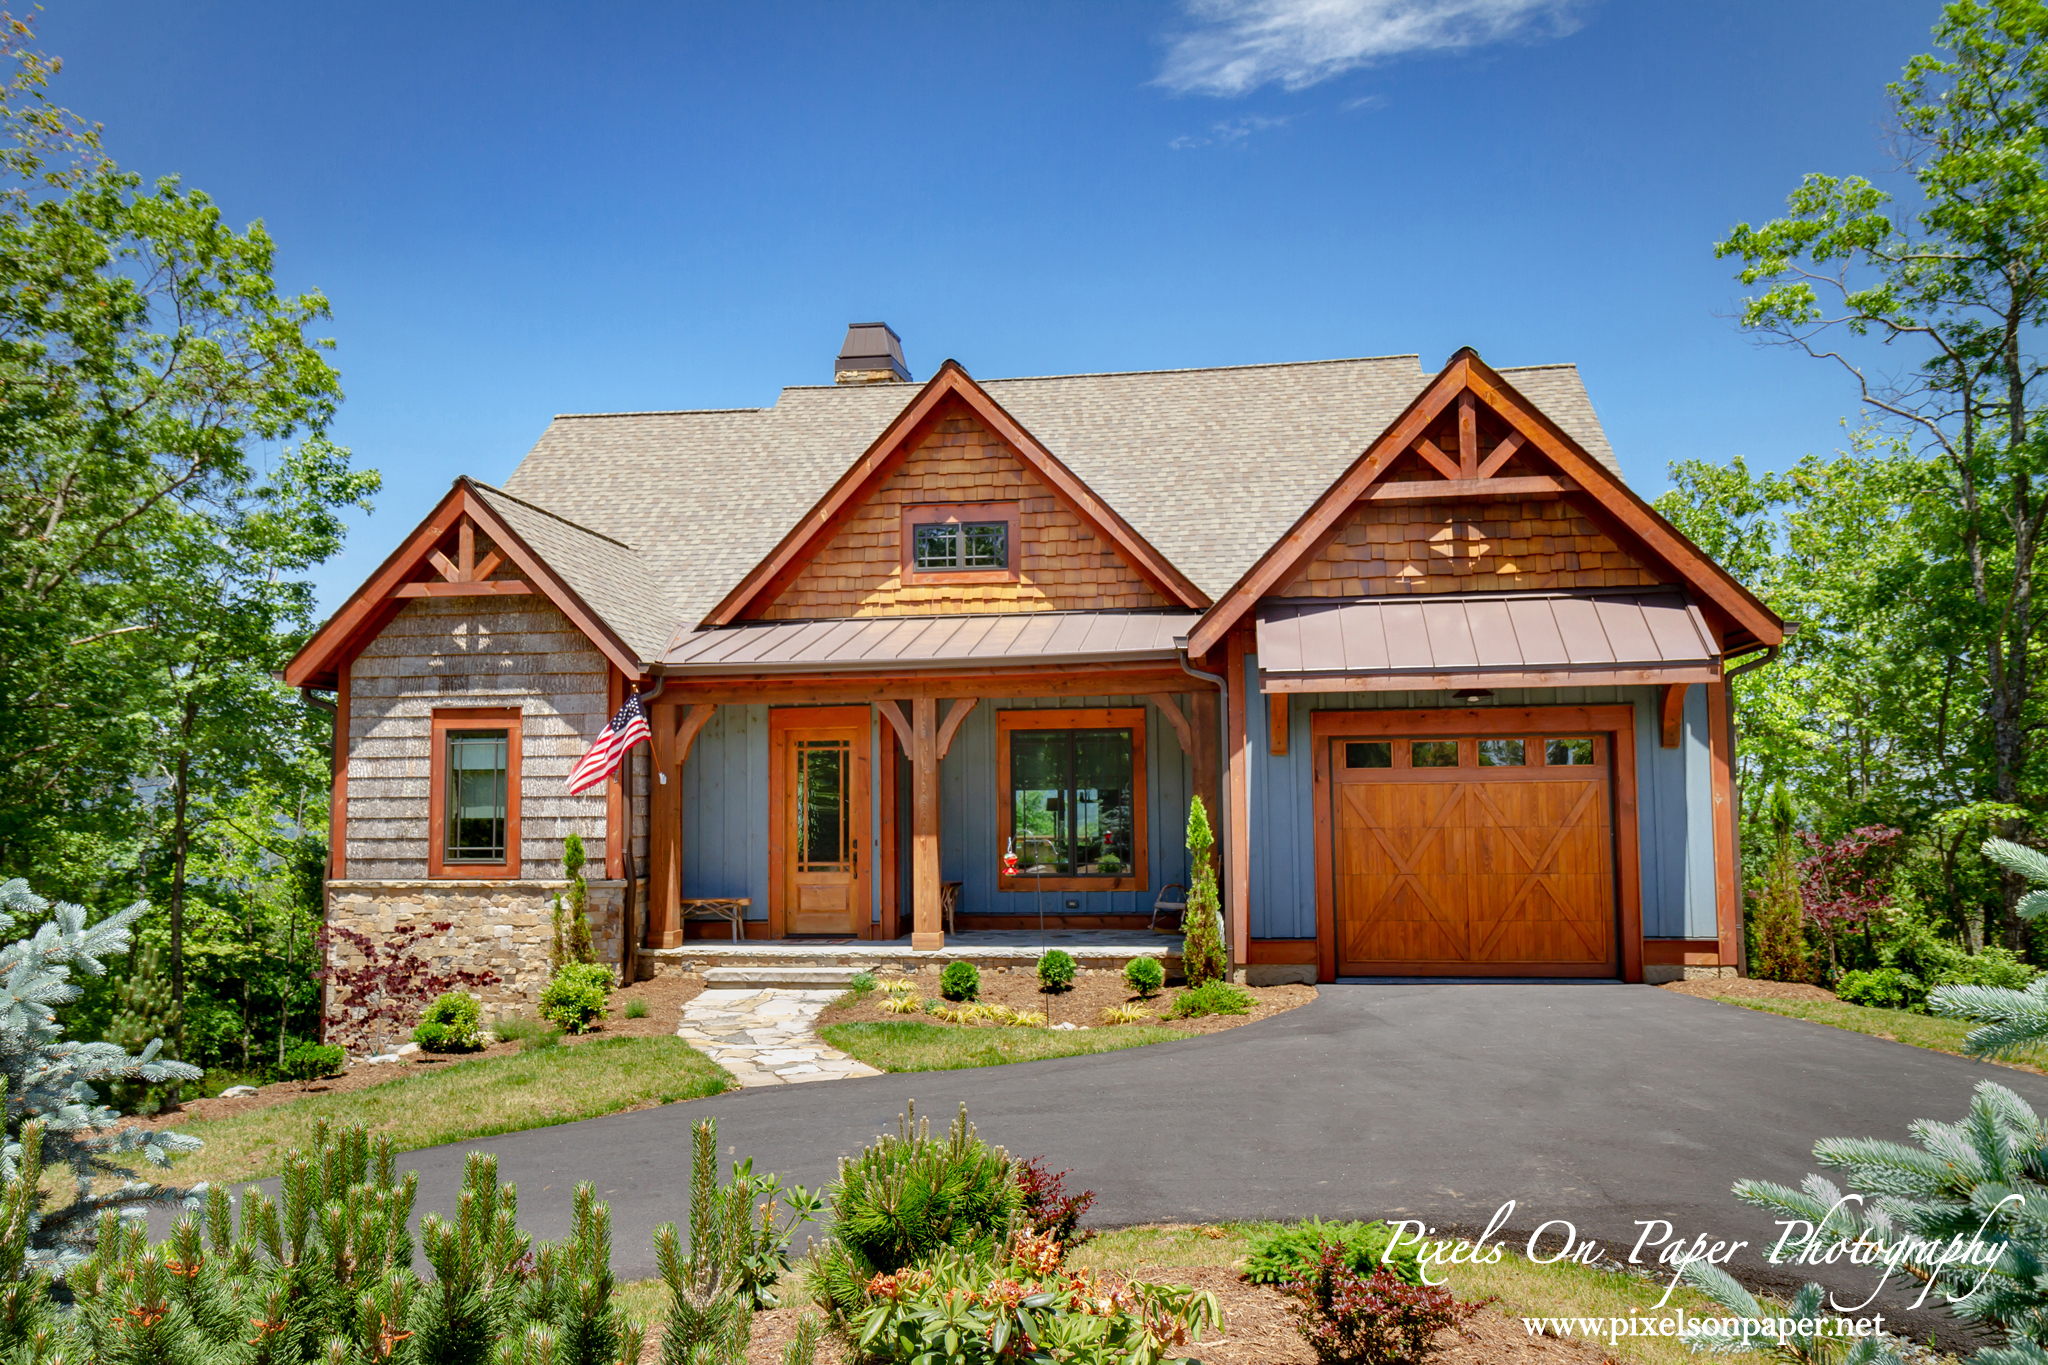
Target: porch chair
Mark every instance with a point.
(949, 901)
(1170, 906)
(731, 909)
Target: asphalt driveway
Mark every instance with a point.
(1599, 1104)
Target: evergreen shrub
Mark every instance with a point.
(308, 1062)
(144, 1013)
(453, 1023)
(960, 981)
(1056, 971)
(1292, 1252)
(1211, 997)
(575, 996)
(1145, 976)
(1201, 924)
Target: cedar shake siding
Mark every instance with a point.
(1533, 546)
(1062, 565)
(466, 651)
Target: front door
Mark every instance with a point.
(1487, 854)
(823, 818)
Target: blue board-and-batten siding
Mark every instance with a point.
(1674, 804)
(726, 812)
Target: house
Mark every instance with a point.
(1455, 696)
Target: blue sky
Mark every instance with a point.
(520, 210)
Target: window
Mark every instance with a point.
(1073, 810)
(963, 545)
(473, 803)
(1568, 753)
(1433, 753)
(1503, 753)
(1369, 753)
(961, 542)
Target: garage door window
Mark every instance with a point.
(1372, 753)
(1502, 753)
(1433, 753)
(1568, 753)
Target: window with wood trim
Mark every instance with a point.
(1072, 793)
(473, 793)
(961, 542)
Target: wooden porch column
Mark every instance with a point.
(674, 731)
(1237, 894)
(927, 930)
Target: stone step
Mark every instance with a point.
(778, 977)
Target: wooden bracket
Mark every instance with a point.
(1276, 719)
(465, 575)
(1672, 714)
(957, 714)
(893, 713)
(1170, 708)
(687, 730)
(1443, 463)
(1502, 453)
(1468, 436)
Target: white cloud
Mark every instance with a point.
(1240, 45)
(1230, 130)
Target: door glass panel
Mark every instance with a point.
(475, 797)
(822, 828)
(1038, 806)
(1568, 753)
(1433, 753)
(1102, 802)
(1371, 753)
(1501, 753)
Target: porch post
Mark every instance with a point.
(927, 931)
(1237, 892)
(665, 834)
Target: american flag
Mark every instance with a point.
(625, 730)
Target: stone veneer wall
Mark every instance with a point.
(502, 927)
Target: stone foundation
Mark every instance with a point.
(504, 927)
(1278, 974)
(1656, 974)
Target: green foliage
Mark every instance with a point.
(1056, 971)
(1373, 1318)
(960, 981)
(2014, 1019)
(907, 1197)
(518, 1028)
(311, 1061)
(863, 983)
(1211, 997)
(1777, 927)
(1884, 988)
(1145, 976)
(453, 1023)
(636, 1009)
(1290, 1252)
(574, 997)
(572, 941)
(1201, 954)
(145, 1013)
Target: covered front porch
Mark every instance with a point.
(988, 949)
(853, 782)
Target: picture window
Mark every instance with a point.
(1071, 806)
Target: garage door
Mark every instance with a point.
(1478, 856)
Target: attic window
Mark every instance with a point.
(960, 542)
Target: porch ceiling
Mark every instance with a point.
(901, 643)
(1564, 639)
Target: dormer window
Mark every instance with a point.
(960, 542)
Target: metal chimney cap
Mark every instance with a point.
(871, 348)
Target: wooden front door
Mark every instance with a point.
(823, 824)
(1473, 856)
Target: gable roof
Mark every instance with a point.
(1588, 483)
(1206, 466)
(945, 392)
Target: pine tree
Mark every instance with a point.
(1201, 951)
(2013, 1020)
(580, 948)
(1777, 928)
(145, 1013)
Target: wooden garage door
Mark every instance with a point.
(1473, 856)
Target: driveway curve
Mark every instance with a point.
(1601, 1104)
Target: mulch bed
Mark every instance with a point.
(1746, 989)
(665, 997)
(1093, 992)
(1258, 1330)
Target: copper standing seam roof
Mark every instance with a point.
(900, 643)
(1560, 639)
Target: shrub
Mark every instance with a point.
(863, 983)
(1056, 971)
(575, 996)
(1292, 1252)
(2014, 1019)
(1049, 1209)
(453, 1023)
(388, 986)
(906, 1197)
(636, 1009)
(1211, 997)
(1371, 1320)
(1201, 924)
(1885, 988)
(960, 981)
(1145, 976)
(308, 1062)
(1125, 1014)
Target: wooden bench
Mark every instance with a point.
(949, 902)
(732, 909)
(1167, 905)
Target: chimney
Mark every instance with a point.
(873, 354)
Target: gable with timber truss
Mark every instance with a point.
(1059, 562)
(1473, 489)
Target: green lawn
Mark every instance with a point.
(912, 1046)
(1903, 1026)
(454, 1102)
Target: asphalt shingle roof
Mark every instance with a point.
(1210, 466)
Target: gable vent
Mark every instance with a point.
(873, 354)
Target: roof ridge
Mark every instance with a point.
(657, 412)
(536, 507)
(1551, 365)
(1183, 369)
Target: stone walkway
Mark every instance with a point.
(764, 1037)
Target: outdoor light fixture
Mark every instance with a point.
(1471, 696)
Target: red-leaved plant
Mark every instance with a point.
(1351, 1319)
(1842, 881)
(1052, 1211)
(387, 991)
